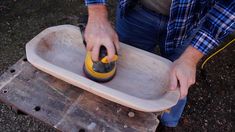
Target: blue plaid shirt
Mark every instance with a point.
(216, 17)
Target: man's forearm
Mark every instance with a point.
(192, 55)
(97, 11)
(99, 32)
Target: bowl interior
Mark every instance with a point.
(137, 74)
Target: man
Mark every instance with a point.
(185, 30)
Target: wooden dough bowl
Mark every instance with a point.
(141, 81)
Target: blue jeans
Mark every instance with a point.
(145, 29)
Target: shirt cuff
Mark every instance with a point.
(91, 2)
(204, 42)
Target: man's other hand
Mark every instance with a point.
(99, 32)
(183, 71)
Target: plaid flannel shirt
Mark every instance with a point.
(216, 17)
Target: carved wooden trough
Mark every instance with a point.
(141, 81)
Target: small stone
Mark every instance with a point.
(131, 114)
(185, 121)
(97, 108)
(221, 77)
(125, 126)
(119, 110)
(91, 126)
(218, 122)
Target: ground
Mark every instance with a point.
(210, 100)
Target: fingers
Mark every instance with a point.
(111, 50)
(191, 81)
(94, 44)
(95, 52)
(183, 86)
(89, 46)
(185, 81)
(173, 81)
(116, 42)
(95, 49)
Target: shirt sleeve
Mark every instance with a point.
(90, 2)
(219, 22)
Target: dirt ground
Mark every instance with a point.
(210, 104)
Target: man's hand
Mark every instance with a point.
(100, 32)
(183, 70)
